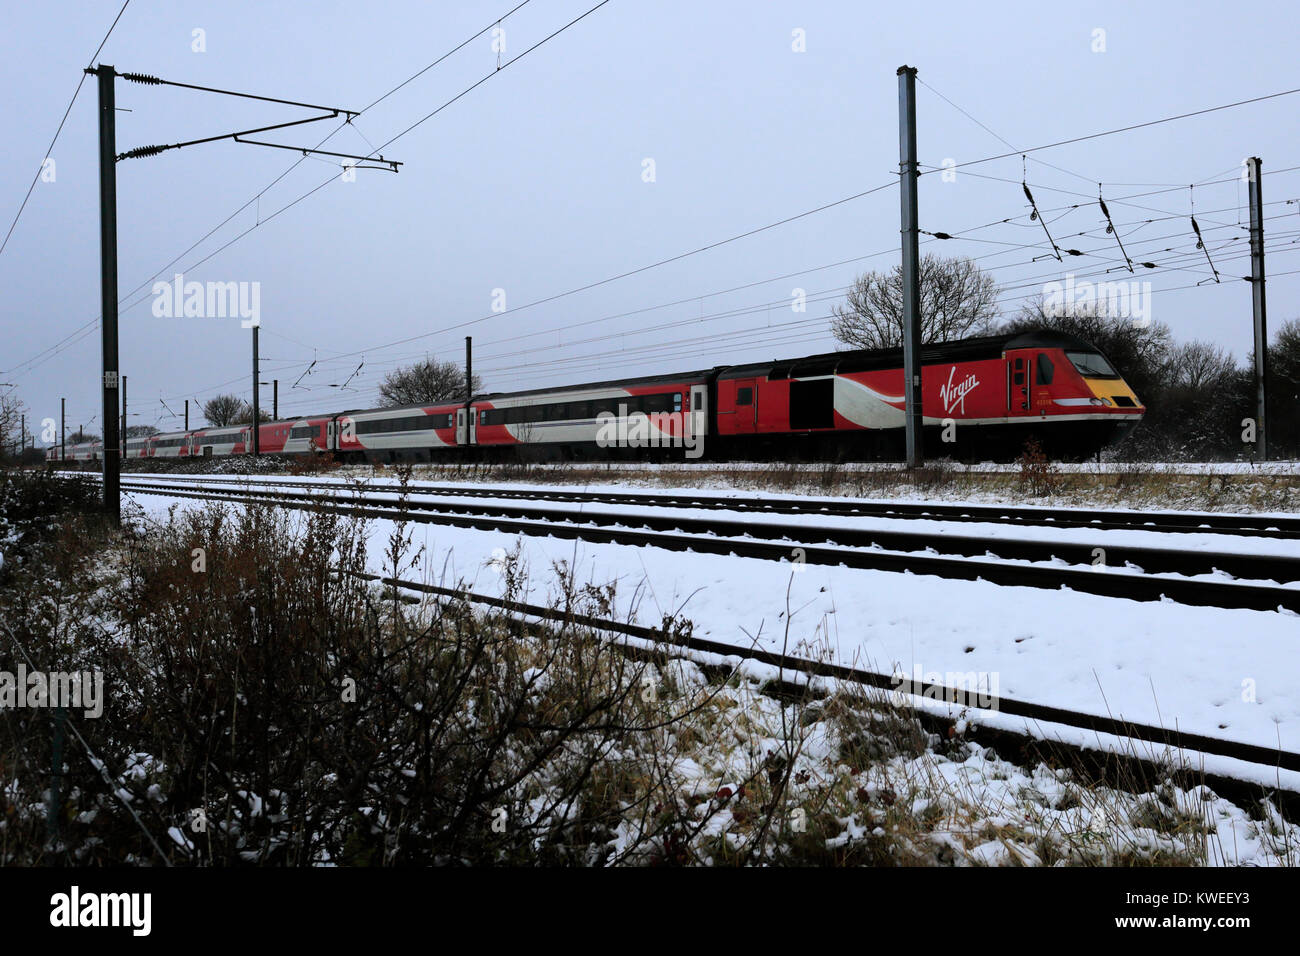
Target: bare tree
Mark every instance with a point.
(957, 300)
(425, 383)
(245, 416)
(81, 436)
(1284, 387)
(223, 410)
(12, 410)
(140, 431)
(1200, 367)
(1284, 355)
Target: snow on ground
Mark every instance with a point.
(1233, 674)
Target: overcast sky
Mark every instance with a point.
(535, 182)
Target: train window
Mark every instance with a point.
(408, 423)
(1045, 369)
(1019, 377)
(744, 396)
(699, 401)
(579, 411)
(1091, 365)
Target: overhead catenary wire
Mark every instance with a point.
(82, 331)
(996, 135)
(1118, 201)
(814, 296)
(390, 141)
(539, 301)
(326, 139)
(50, 149)
(622, 275)
(508, 313)
(549, 331)
(638, 355)
(1125, 129)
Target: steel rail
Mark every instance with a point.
(1117, 727)
(1100, 519)
(1103, 581)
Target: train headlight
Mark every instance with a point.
(1100, 401)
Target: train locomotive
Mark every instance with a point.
(982, 398)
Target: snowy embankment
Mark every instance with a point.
(1232, 674)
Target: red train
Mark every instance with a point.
(983, 398)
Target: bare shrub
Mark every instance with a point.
(1038, 475)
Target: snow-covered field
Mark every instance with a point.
(1233, 674)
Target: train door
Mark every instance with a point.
(1044, 372)
(460, 426)
(699, 413)
(473, 425)
(1020, 375)
(746, 404)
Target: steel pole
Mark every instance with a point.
(108, 288)
(907, 168)
(1255, 173)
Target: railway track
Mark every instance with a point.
(1124, 730)
(1269, 526)
(1131, 571)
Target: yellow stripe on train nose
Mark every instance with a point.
(1110, 389)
